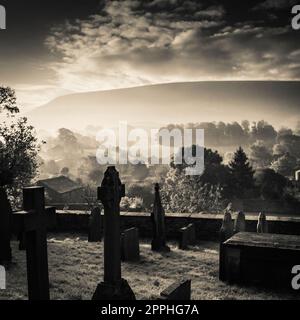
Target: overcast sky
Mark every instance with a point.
(51, 48)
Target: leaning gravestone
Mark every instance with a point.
(113, 287)
(158, 223)
(262, 224)
(226, 232)
(5, 226)
(180, 290)
(240, 223)
(95, 232)
(130, 248)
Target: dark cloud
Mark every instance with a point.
(164, 40)
(92, 45)
(276, 4)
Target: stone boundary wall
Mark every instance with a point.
(207, 225)
(247, 205)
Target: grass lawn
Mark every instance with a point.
(76, 266)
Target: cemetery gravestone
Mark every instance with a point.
(130, 248)
(240, 223)
(51, 223)
(192, 234)
(34, 221)
(178, 291)
(95, 232)
(5, 226)
(22, 241)
(158, 223)
(262, 224)
(113, 287)
(225, 233)
(184, 238)
(2, 278)
(187, 236)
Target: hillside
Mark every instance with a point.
(276, 102)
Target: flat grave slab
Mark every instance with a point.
(261, 259)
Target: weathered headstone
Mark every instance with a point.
(180, 290)
(262, 224)
(130, 248)
(187, 237)
(225, 233)
(158, 223)
(2, 278)
(184, 238)
(227, 227)
(33, 222)
(22, 240)
(192, 234)
(95, 232)
(113, 287)
(240, 223)
(5, 227)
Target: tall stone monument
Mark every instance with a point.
(158, 223)
(113, 287)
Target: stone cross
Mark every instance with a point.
(5, 226)
(262, 224)
(50, 223)
(95, 232)
(158, 223)
(110, 193)
(34, 221)
(240, 223)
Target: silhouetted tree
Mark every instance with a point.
(242, 179)
(18, 146)
(18, 162)
(271, 184)
(285, 165)
(215, 173)
(182, 193)
(8, 100)
(260, 156)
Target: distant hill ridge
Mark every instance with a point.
(277, 102)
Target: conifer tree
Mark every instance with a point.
(242, 174)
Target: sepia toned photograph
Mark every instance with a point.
(149, 151)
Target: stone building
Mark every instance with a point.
(62, 190)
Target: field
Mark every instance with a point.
(75, 268)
